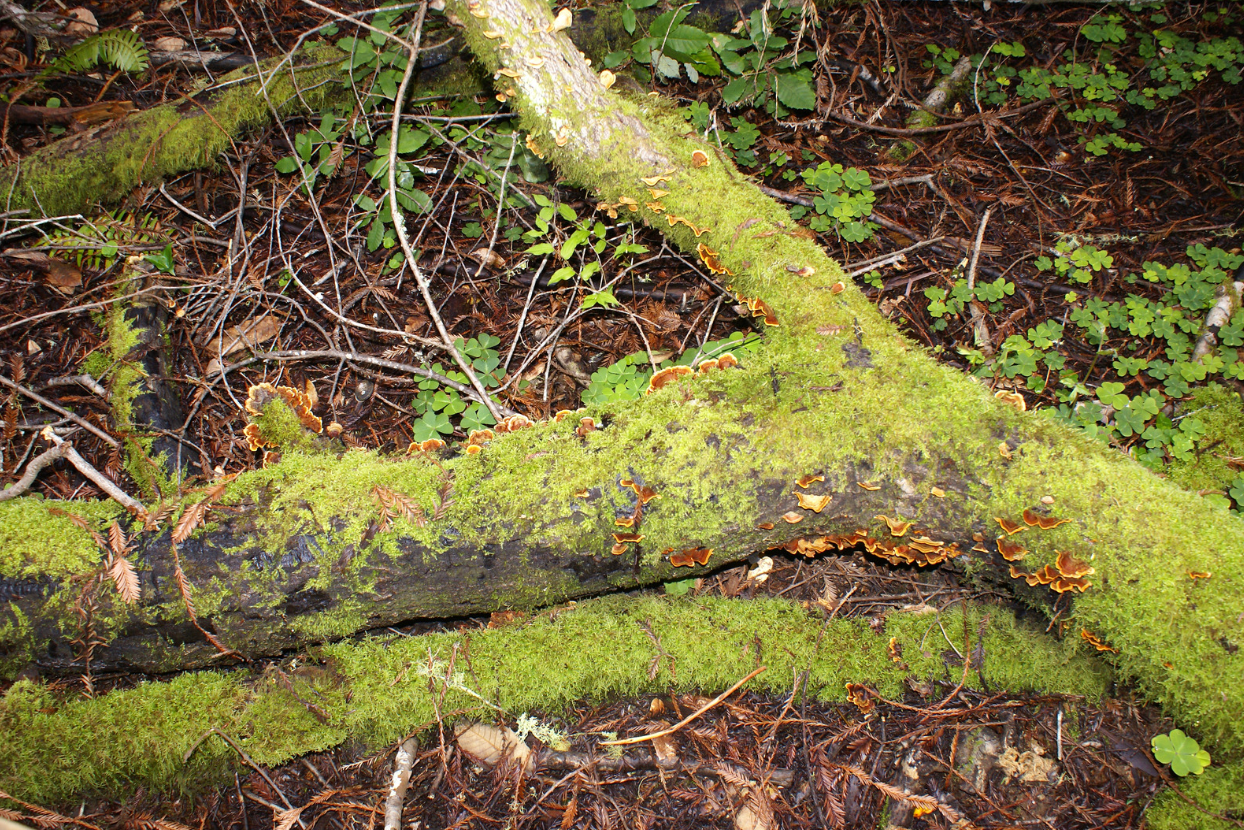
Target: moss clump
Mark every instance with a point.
(34, 542)
(379, 690)
(1219, 790)
(1220, 410)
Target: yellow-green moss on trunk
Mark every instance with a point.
(378, 690)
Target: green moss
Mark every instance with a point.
(34, 542)
(1219, 790)
(379, 689)
(1219, 409)
(162, 141)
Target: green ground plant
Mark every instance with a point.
(1182, 752)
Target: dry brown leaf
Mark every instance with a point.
(489, 259)
(58, 275)
(250, 333)
(168, 44)
(491, 744)
(83, 24)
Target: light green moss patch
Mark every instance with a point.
(1219, 408)
(162, 141)
(379, 690)
(1219, 790)
(34, 542)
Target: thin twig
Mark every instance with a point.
(399, 222)
(336, 354)
(397, 788)
(32, 472)
(101, 481)
(976, 247)
(77, 419)
(690, 717)
(942, 128)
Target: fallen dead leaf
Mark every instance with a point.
(491, 744)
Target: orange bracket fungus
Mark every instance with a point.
(898, 527)
(814, 503)
(868, 485)
(1011, 551)
(1092, 639)
(254, 438)
(666, 376)
(690, 557)
(808, 480)
(792, 518)
(1033, 519)
(861, 696)
(479, 437)
(710, 259)
(645, 493)
(1068, 565)
(262, 394)
(1009, 527)
(1013, 399)
(513, 424)
(426, 446)
(585, 426)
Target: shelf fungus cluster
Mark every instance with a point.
(258, 398)
(689, 557)
(1066, 574)
(429, 445)
(918, 550)
(1093, 640)
(477, 439)
(631, 520)
(668, 375)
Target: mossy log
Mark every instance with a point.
(289, 556)
(371, 693)
(104, 163)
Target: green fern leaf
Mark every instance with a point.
(115, 49)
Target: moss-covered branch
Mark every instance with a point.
(378, 691)
(105, 164)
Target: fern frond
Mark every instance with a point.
(96, 244)
(115, 49)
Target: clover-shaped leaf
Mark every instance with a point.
(1182, 752)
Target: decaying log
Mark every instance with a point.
(914, 461)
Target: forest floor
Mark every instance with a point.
(1066, 249)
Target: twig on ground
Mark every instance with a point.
(60, 410)
(84, 380)
(99, 479)
(399, 223)
(32, 472)
(690, 717)
(980, 328)
(941, 128)
(397, 788)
